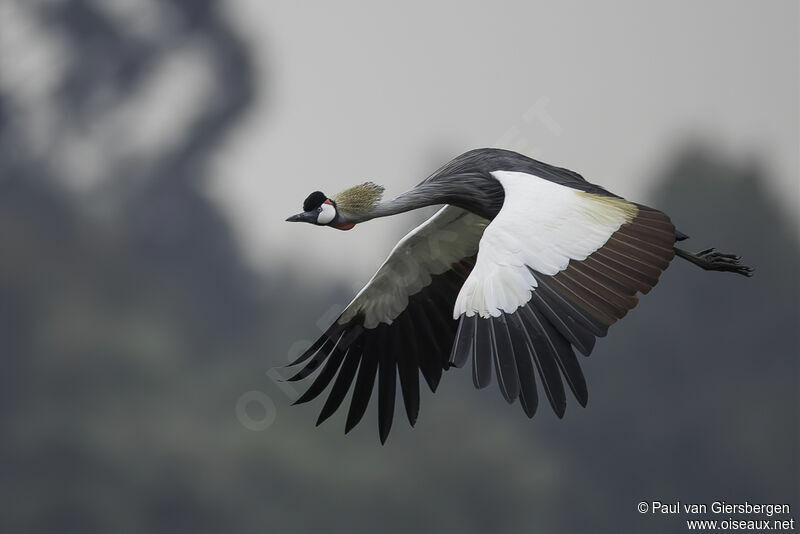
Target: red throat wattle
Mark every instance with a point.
(344, 227)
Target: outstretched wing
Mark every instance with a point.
(556, 268)
(400, 324)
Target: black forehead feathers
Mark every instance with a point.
(314, 200)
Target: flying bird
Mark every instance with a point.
(525, 264)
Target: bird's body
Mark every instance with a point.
(524, 262)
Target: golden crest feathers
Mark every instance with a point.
(359, 199)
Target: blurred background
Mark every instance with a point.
(150, 151)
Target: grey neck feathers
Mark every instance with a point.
(479, 194)
(416, 198)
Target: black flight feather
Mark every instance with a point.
(324, 378)
(528, 396)
(407, 369)
(365, 381)
(311, 351)
(572, 329)
(322, 355)
(482, 355)
(464, 341)
(428, 357)
(504, 364)
(566, 359)
(545, 360)
(387, 383)
(343, 382)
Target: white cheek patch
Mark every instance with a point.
(327, 215)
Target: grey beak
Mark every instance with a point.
(308, 217)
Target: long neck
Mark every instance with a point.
(419, 197)
(477, 194)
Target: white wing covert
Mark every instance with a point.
(556, 268)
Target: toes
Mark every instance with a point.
(744, 270)
(718, 261)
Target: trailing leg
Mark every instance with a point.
(711, 260)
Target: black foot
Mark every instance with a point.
(711, 260)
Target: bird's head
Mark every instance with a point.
(320, 210)
(344, 210)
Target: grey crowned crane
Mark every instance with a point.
(524, 263)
